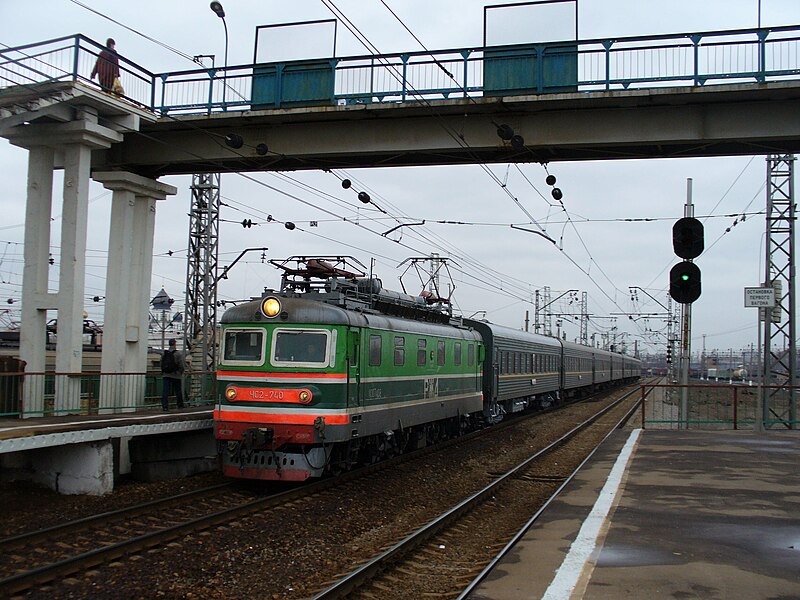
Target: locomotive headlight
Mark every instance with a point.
(304, 396)
(230, 393)
(271, 307)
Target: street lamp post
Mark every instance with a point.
(220, 12)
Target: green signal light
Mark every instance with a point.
(684, 277)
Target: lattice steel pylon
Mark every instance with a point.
(201, 278)
(780, 360)
(584, 333)
(548, 317)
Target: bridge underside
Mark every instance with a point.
(747, 119)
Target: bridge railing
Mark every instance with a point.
(695, 59)
(71, 58)
(719, 57)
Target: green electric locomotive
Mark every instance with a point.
(339, 373)
(334, 371)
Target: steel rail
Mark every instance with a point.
(43, 574)
(80, 562)
(40, 575)
(363, 574)
(525, 528)
(31, 537)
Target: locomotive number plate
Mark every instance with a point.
(251, 394)
(264, 394)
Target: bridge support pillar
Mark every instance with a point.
(130, 266)
(71, 143)
(35, 299)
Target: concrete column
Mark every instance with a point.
(130, 268)
(113, 389)
(33, 335)
(72, 277)
(71, 138)
(141, 275)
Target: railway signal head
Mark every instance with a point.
(684, 282)
(687, 238)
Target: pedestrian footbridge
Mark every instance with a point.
(683, 95)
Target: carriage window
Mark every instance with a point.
(422, 353)
(440, 353)
(243, 346)
(471, 355)
(399, 351)
(375, 347)
(291, 347)
(457, 354)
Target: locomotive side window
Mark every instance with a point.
(457, 354)
(471, 355)
(422, 353)
(440, 353)
(399, 351)
(243, 347)
(302, 347)
(375, 349)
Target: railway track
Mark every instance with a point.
(449, 555)
(34, 559)
(40, 556)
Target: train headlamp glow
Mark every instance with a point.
(271, 307)
(304, 396)
(230, 393)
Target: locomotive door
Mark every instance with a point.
(353, 368)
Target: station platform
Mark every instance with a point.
(42, 432)
(666, 514)
(85, 454)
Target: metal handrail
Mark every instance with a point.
(50, 393)
(604, 63)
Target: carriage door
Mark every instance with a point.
(353, 368)
(495, 391)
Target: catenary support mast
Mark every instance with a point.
(779, 368)
(201, 278)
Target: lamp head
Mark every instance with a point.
(217, 8)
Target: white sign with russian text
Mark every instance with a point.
(762, 297)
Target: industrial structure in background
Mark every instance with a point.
(779, 372)
(199, 334)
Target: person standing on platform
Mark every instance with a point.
(173, 366)
(107, 66)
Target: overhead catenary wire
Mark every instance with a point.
(565, 211)
(371, 47)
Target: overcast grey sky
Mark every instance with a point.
(499, 268)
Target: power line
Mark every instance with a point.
(135, 31)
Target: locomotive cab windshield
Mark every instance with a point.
(244, 346)
(303, 347)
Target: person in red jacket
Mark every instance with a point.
(107, 66)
